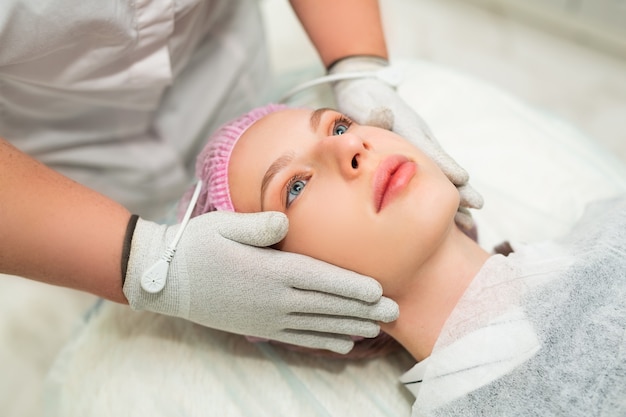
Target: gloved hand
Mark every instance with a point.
(372, 101)
(222, 276)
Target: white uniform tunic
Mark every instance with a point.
(120, 94)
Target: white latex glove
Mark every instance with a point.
(222, 276)
(372, 101)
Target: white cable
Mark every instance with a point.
(153, 280)
(390, 75)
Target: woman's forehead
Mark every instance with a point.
(259, 147)
(277, 129)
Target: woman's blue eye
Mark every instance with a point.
(294, 189)
(340, 129)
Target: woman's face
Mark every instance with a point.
(358, 197)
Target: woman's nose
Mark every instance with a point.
(346, 152)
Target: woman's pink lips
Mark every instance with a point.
(390, 178)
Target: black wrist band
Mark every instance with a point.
(128, 238)
(336, 61)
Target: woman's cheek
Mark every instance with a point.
(313, 231)
(301, 237)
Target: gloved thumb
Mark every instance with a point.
(256, 229)
(381, 117)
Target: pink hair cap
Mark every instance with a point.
(213, 161)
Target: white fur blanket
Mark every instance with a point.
(141, 364)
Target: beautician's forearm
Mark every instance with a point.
(340, 28)
(55, 230)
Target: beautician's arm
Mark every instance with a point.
(341, 28)
(55, 230)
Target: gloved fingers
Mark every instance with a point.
(256, 229)
(470, 198)
(413, 128)
(315, 275)
(309, 302)
(399, 117)
(334, 342)
(331, 325)
(455, 173)
(464, 220)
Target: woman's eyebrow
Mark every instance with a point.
(279, 164)
(316, 116)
